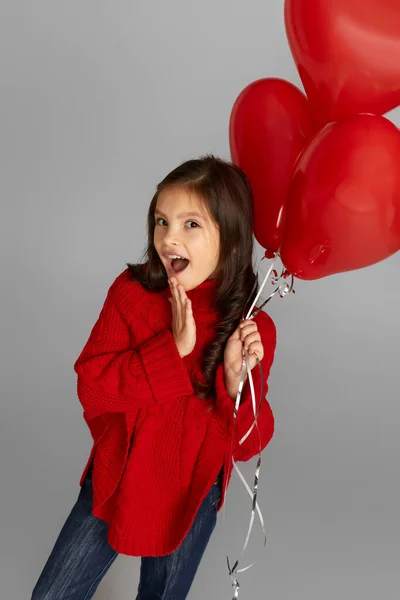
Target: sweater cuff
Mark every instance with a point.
(164, 368)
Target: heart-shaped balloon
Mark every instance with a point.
(347, 53)
(343, 210)
(269, 126)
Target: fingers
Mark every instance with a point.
(179, 300)
(243, 329)
(251, 338)
(246, 328)
(173, 284)
(182, 295)
(249, 324)
(172, 299)
(256, 348)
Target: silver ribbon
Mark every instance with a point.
(283, 288)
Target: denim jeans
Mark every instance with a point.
(82, 556)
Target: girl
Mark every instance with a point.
(158, 379)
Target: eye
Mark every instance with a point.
(158, 219)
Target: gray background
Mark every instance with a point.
(99, 101)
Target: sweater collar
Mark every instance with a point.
(202, 297)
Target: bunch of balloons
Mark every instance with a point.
(325, 166)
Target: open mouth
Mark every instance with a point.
(177, 263)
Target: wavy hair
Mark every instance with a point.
(227, 194)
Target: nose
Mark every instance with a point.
(171, 237)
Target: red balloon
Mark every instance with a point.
(343, 210)
(347, 53)
(269, 126)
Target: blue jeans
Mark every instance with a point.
(82, 556)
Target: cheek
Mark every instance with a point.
(212, 243)
(157, 236)
(215, 249)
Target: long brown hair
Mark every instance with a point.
(227, 193)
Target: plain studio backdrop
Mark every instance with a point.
(99, 101)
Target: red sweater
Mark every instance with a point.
(156, 450)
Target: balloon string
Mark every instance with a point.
(282, 289)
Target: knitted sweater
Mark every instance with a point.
(156, 449)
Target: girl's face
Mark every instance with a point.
(183, 227)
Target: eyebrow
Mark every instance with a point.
(185, 214)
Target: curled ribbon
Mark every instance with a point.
(283, 288)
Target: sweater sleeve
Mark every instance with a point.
(245, 416)
(116, 375)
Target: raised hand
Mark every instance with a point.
(183, 323)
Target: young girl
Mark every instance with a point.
(158, 379)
